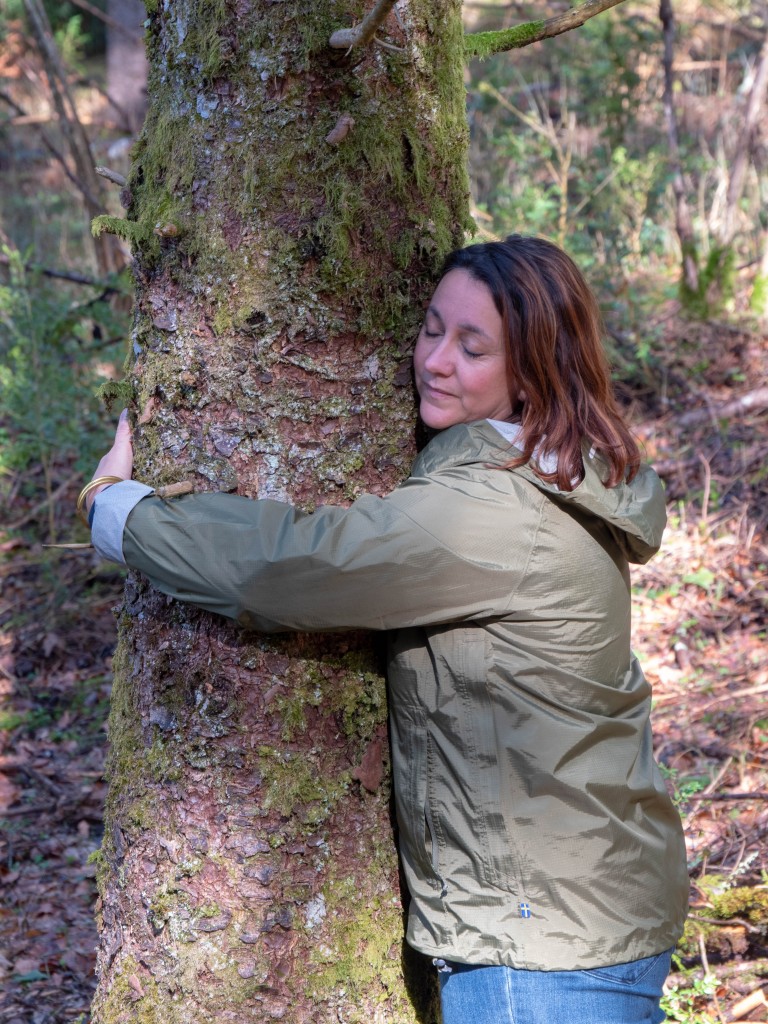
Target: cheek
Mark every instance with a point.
(419, 355)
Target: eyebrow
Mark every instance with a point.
(470, 328)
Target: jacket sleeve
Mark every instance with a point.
(425, 554)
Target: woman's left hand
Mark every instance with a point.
(119, 459)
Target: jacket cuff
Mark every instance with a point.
(110, 511)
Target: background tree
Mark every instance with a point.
(127, 61)
(585, 133)
(288, 205)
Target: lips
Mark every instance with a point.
(430, 391)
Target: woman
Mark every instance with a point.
(544, 858)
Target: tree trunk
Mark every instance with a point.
(288, 206)
(683, 223)
(743, 155)
(127, 62)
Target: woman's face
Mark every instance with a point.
(460, 360)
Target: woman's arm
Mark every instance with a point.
(423, 555)
(440, 548)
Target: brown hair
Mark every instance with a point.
(555, 358)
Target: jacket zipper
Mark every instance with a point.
(435, 848)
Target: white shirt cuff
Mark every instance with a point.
(111, 508)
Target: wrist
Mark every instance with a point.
(91, 496)
(90, 491)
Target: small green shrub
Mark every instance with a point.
(50, 348)
(685, 1002)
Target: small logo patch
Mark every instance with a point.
(525, 910)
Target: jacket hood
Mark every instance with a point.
(635, 512)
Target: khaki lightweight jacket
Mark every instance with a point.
(535, 829)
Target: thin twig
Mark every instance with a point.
(81, 187)
(388, 46)
(747, 692)
(714, 783)
(21, 113)
(114, 176)
(706, 487)
(91, 83)
(38, 777)
(74, 547)
(45, 503)
(362, 34)
(62, 275)
(703, 952)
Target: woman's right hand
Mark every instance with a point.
(119, 459)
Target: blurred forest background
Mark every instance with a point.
(640, 143)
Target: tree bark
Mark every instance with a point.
(288, 205)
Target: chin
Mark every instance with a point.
(435, 421)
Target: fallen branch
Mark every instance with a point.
(748, 1003)
(748, 691)
(668, 467)
(752, 401)
(757, 795)
(45, 503)
(17, 765)
(727, 922)
(29, 809)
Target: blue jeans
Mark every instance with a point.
(624, 994)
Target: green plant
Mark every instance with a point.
(49, 346)
(683, 788)
(77, 34)
(685, 1002)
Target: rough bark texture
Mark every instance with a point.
(288, 205)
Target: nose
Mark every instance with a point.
(439, 360)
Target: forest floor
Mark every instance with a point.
(699, 405)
